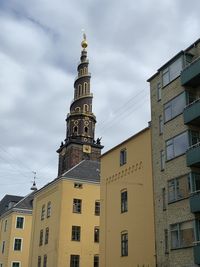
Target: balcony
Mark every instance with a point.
(191, 113)
(190, 76)
(195, 202)
(193, 156)
(196, 251)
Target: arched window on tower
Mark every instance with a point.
(77, 109)
(79, 90)
(86, 130)
(85, 87)
(85, 70)
(75, 130)
(85, 108)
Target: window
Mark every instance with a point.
(86, 130)
(5, 225)
(195, 182)
(172, 71)
(177, 145)
(178, 188)
(124, 244)
(77, 203)
(15, 264)
(194, 137)
(39, 261)
(41, 238)
(85, 108)
(164, 198)
(166, 241)
(96, 260)
(76, 233)
(159, 91)
(46, 236)
(162, 160)
(11, 204)
(3, 247)
(182, 234)
(45, 261)
(20, 222)
(161, 124)
(124, 201)
(123, 156)
(75, 130)
(17, 244)
(97, 208)
(43, 212)
(96, 234)
(174, 107)
(48, 209)
(78, 185)
(74, 260)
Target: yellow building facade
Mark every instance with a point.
(15, 232)
(127, 217)
(66, 219)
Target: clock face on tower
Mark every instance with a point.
(87, 149)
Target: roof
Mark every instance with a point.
(26, 202)
(4, 203)
(173, 58)
(86, 170)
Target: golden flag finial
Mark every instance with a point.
(84, 43)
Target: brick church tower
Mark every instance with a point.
(80, 140)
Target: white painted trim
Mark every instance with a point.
(14, 244)
(18, 216)
(15, 262)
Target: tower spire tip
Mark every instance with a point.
(84, 43)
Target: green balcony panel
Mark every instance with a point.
(192, 113)
(196, 251)
(193, 156)
(195, 202)
(190, 76)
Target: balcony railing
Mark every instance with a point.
(195, 202)
(193, 156)
(83, 75)
(192, 113)
(190, 76)
(196, 251)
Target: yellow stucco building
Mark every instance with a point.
(127, 220)
(66, 219)
(15, 230)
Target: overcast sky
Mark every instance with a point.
(39, 51)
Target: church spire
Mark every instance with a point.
(80, 134)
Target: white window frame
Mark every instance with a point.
(23, 222)
(14, 244)
(16, 262)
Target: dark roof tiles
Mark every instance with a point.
(86, 170)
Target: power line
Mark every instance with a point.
(122, 115)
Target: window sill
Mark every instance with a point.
(172, 249)
(168, 160)
(165, 122)
(171, 82)
(177, 200)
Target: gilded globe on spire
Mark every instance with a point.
(84, 43)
